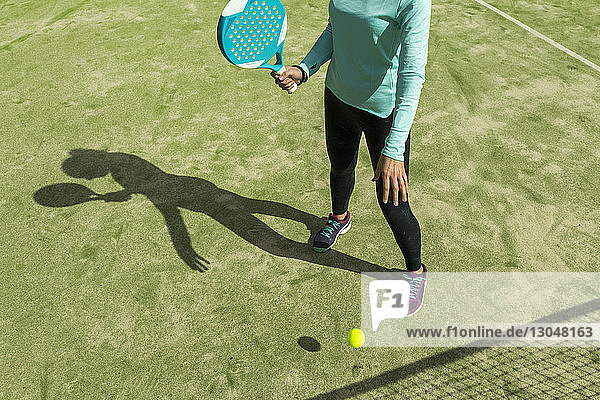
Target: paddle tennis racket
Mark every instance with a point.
(251, 32)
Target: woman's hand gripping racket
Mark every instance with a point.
(251, 32)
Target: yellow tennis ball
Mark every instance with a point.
(356, 338)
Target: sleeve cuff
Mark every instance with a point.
(304, 68)
(394, 145)
(394, 155)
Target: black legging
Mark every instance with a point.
(344, 125)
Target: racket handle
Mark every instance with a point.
(281, 71)
(293, 89)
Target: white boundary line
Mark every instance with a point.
(543, 37)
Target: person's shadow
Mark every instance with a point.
(170, 192)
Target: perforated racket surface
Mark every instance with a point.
(251, 32)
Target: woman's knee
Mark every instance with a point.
(389, 209)
(342, 172)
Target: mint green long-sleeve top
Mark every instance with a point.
(378, 52)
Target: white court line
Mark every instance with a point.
(544, 37)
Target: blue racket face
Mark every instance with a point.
(251, 32)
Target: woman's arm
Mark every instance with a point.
(317, 56)
(414, 20)
(320, 53)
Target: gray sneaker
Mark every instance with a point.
(417, 284)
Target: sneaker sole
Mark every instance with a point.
(324, 249)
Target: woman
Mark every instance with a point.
(378, 52)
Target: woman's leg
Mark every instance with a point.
(342, 135)
(403, 223)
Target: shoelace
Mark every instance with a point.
(329, 228)
(415, 284)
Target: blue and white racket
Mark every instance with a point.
(251, 32)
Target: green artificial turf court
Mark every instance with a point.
(96, 302)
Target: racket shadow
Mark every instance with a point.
(64, 195)
(169, 193)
